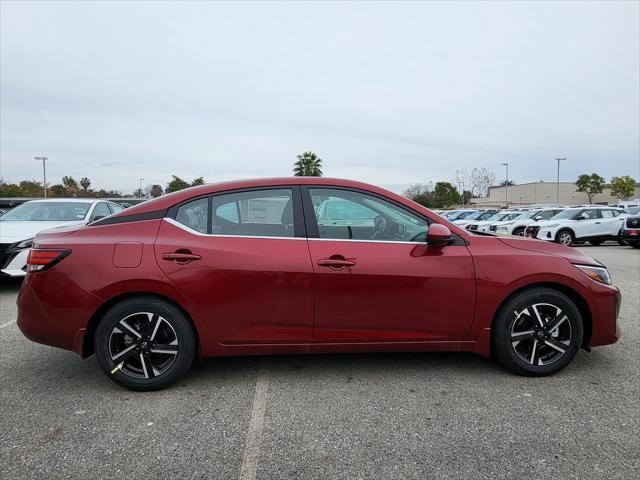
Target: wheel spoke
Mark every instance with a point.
(125, 327)
(155, 322)
(518, 336)
(556, 322)
(124, 354)
(535, 353)
(147, 367)
(538, 317)
(559, 346)
(166, 349)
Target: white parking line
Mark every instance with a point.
(6, 324)
(254, 435)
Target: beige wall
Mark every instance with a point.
(545, 192)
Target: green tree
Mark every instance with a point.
(31, 188)
(466, 197)
(176, 184)
(155, 190)
(308, 165)
(590, 184)
(507, 182)
(57, 190)
(623, 187)
(85, 183)
(69, 182)
(197, 181)
(9, 189)
(445, 194)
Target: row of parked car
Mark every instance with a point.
(566, 225)
(20, 225)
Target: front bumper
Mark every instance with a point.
(546, 234)
(16, 265)
(631, 235)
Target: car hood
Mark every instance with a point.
(532, 245)
(11, 232)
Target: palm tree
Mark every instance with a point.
(308, 165)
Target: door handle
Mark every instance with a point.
(181, 257)
(336, 263)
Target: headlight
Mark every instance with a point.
(24, 244)
(599, 274)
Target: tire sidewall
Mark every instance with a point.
(505, 318)
(180, 324)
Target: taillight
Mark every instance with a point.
(42, 259)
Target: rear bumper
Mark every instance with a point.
(45, 318)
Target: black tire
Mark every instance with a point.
(565, 237)
(635, 245)
(519, 231)
(520, 356)
(595, 243)
(157, 334)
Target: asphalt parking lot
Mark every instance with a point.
(333, 416)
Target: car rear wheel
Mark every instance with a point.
(519, 231)
(565, 237)
(537, 332)
(145, 343)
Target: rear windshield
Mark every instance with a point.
(47, 212)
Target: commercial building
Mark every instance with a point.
(545, 193)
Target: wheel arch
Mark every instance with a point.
(92, 324)
(574, 296)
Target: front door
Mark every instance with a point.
(375, 278)
(242, 260)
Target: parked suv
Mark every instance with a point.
(518, 225)
(593, 224)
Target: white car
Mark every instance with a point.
(493, 221)
(518, 225)
(577, 225)
(478, 216)
(19, 225)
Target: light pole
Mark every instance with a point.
(558, 182)
(44, 173)
(506, 185)
(140, 188)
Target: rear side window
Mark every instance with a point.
(256, 213)
(114, 207)
(194, 215)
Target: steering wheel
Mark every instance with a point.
(379, 227)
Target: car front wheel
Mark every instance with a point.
(565, 237)
(537, 332)
(145, 343)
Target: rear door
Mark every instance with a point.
(242, 260)
(375, 278)
(611, 222)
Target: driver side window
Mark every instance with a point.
(352, 215)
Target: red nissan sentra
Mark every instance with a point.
(305, 265)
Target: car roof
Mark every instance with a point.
(69, 200)
(166, 201)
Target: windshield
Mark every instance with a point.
(525, 215)
(498, 217)
(564, 215)
(474, 215)
(460, 215)
(47, 212)
(633, 210)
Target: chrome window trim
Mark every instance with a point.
(175, 223)
(195, 232)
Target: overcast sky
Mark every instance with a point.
(388, 93)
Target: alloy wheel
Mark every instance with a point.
(540, 334)
(565, 238)
(143, 345)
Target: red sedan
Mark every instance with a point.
(305, 265)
